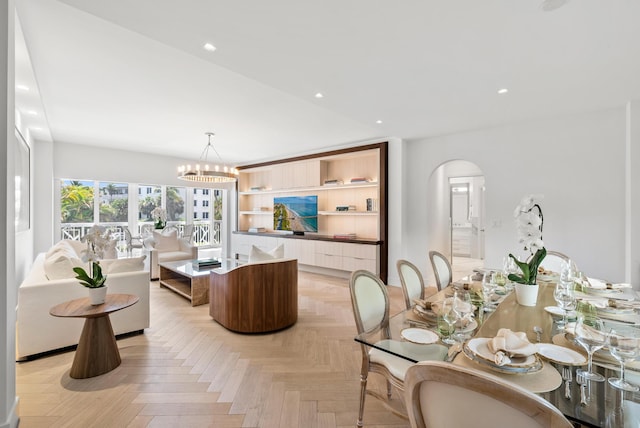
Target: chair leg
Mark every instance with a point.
(363, 393)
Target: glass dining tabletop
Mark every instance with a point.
(602, 404)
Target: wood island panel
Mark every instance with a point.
(255, 298)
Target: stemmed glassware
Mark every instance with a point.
(464, 308)
(624, 349)
(590, 334)
(447, 319)
(566, 299)
(487, 291)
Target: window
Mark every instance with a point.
(195, 216)
(175, 203)
(205, 203)
(195, 202)
(147, 203)
(114, 202)
(205, 191)
(205, 215)
(76, 201)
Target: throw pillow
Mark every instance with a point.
(168, 242)
(60, 264)
(123, 265)
(258, 255)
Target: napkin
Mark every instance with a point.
(602, 285)
(508, 344)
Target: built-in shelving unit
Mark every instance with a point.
(366, 218)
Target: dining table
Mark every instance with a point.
(587, 403)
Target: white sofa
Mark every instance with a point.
(167, 247)
(38, 331)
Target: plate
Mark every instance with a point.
(476, 349)
(555, 310)
(611, 310)
(601, 291)
(419, 335)
(561, 355)
(473, 324)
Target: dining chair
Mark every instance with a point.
(411, 281)
(131, 241)
(370, 304)
(554, 260)
(436, 390)
(441, 269)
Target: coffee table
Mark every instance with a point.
(189, 282)
(97, 351)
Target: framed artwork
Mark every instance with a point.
(22, 183)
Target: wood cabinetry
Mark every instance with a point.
(353, 178)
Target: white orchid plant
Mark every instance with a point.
(529, 222)
(98, 239)
(159, 215)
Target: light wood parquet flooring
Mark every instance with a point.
(188, 371)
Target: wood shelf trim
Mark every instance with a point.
(310, 189)
(255, 212)
(177, 286)
(366, 213)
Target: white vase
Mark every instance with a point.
(97, 295)
(526, 294)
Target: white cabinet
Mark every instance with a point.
(358, 256)
(328, 254)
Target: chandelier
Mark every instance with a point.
(204, 173)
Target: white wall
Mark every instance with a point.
(632, 273)
(577, 162)
(8, 399)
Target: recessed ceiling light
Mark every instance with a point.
(31, 112)
(209, 47)
(319, 95)
(503, 91)
(22, 87)
(378, 121)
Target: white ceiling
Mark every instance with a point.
(133, 74)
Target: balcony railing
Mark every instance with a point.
(207, 233)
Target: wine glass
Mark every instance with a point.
(447, 319)
(590, 334)
(566, 299)
(624, 349)
(487, 291)
(464, 308)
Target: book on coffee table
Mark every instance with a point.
(206, 263)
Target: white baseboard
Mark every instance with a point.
(12, 418)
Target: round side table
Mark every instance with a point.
(97, 351)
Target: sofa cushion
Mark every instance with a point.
(172, 256)
(258, 255)
(60, 264)
(166, 242)
(122, 265)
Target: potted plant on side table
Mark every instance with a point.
(529, 221)
(94, 281)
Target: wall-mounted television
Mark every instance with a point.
(295, 213)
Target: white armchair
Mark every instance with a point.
(167, 247)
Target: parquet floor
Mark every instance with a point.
(187, 371)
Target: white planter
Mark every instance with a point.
(527, 295)
(97, 295)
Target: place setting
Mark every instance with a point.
(512, 356)
(452, 318)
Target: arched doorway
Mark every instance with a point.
(455, 219)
